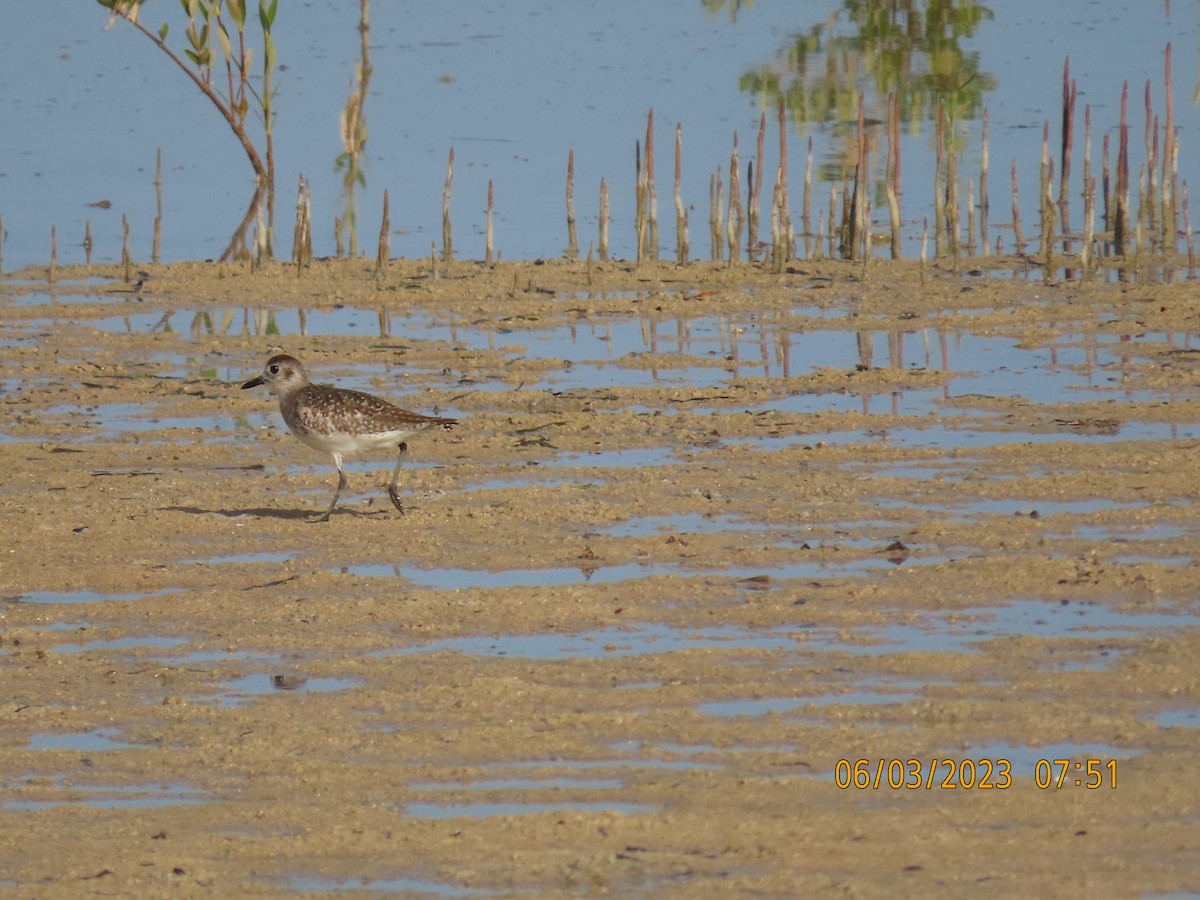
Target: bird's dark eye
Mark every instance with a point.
(274, 370)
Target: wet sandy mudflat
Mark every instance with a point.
(701, 535)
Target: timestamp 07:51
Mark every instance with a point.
(970, 774)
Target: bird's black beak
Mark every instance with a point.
(253, 382)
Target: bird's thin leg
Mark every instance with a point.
(337, 493)
(393, 492)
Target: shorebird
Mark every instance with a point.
(341, 422)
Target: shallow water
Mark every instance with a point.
(94, 741)
(133, 642)
(412, 886)
(609, 642)
(958, 631)
(248, 688)
(483, 810)
(465, 579)
(777, 705)
(52, 597)
(123, 796)
(703, 352)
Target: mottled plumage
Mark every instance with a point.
(341, 422)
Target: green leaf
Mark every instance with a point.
(266, 13)
(223, 39)
(269, 47)
(162, 32)
(193, 56)
(237, 9)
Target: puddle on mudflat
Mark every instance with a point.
(520, 787)
(503, 484)
(607, 643)
(948, 437)
(1064, 367)
(630, 458)
(696, 749)
(244, 558)
(200, 656)
(487, 810)
(469, 579)
(706, 351)
(196, 657)
(248, 321)
(1178, 718)
(677, 765)
(964, 630)
(116, 796)
(1025, 758)
(809, 536)
(1128, 534)
(133, 642)
(243, 690)
(1137, 559)
(960, 631)
(97, 422)
(1092, 659)
(86, 596)
(65, 293)
(684, 523)
(522, 784)
(628, 352)
(937, 470)
(775, 705)
(1068, 369)
(638, 458)
(97, 740)
(599, 337)
(999, 764)
(311, 884)
(1015, 506)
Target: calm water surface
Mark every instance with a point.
(513, 85)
